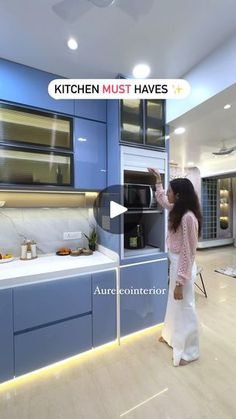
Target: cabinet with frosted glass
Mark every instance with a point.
(35, 147)
(142, 123)
(217, 208)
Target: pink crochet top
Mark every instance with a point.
(184, 240)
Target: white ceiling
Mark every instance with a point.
(171, 35)
(207, 125)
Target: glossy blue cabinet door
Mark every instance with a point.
(89, 154)
(6, 336)
(39, 304)
(28, 86)
(47, 345)
(104, 307)
(139, 311)
(91, 109)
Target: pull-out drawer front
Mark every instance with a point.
(104, 307)
(6, 336)
(47, 302)
(46, 345)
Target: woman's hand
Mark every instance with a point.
(156, 173)
(178, 293)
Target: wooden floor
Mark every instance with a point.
(137, 379)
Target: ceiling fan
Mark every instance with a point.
(224, 150)
(71, 10)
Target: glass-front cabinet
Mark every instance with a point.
(143, 123)
(35, 147)
(217, 208)
(132, 121)
(155, 123)
(225, 208)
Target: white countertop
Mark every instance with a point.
(47, 267)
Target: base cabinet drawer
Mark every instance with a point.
(46, 345)
(104, 307)
(6, 336)
(39, 304)
(143, 302)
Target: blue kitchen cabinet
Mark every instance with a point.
(44, 346)
(91, 109)
(52, 321)
(89, 154)
(104, 307)
(47, 302)
(140, 310)
(29, 86)
(6, 336)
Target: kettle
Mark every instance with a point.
(28, 250)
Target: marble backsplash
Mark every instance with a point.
(44, 225)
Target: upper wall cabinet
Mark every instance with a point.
(35, 147)
(91, 109)
(21, 84)
(89, 154)
(142, 123)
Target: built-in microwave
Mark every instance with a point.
(138, 196)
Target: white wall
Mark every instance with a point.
(44, 225)
(214, 74)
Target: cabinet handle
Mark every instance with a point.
(102, 170)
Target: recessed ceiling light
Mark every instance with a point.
(190, 163)
(141, 71)
(227, 106)
(179, 130)
(72, 43)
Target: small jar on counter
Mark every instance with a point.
(33, 250)
(28, 255)
(23, 253)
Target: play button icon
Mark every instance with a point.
(116, 209)
(110, 212)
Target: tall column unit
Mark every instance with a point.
(150, 220)
(217, 207)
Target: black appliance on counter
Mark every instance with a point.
(134, 236)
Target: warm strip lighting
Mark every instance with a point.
(56, 367)
(145, 401)
(142, 332)
(70, 362)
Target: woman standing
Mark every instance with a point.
(180, 329)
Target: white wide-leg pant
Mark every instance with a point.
(180, 329)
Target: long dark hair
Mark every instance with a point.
(187, 200)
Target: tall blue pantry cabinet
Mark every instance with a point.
(137, 129)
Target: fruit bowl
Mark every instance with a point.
(8, 257)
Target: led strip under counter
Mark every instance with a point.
(57, 367)
(49, 199)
